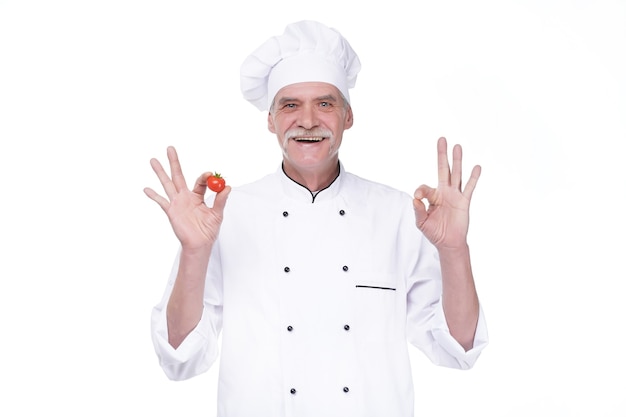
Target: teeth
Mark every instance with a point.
(309, 139)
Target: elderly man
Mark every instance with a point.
(315, 278)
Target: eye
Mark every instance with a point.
(326, 106)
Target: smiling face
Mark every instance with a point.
(309, 120)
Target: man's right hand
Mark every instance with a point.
(195, 224)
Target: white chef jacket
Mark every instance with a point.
(315, 298)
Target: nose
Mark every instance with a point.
(307, 118)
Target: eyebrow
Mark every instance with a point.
(286, 99)
(327, 97)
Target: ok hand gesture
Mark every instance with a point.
(446, 220)
(195, 224)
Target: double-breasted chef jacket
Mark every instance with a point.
(315, 298)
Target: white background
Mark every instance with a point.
(91, 90)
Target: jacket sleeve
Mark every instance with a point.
(427, 327)
(199, 350)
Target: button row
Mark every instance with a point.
(346, 327)
(293, 391)
(345, 268)
(341, 213)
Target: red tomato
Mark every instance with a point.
(216, 182)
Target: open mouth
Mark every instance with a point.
(309, 139)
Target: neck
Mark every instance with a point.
(314, 179)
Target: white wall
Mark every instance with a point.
(91, 90)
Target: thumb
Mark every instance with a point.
(220, 200)
(421, 214)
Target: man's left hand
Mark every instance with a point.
(445, 221)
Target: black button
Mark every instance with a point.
(341, 212)
(285, 214)
(345, 268)
(293, 391)
(287, 269)
(346, 389)
(346, 327)
(289, 328)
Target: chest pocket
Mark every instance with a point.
(386, 285)
(378, 305)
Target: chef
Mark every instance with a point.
(309, 283)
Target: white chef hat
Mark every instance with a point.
(306, 51)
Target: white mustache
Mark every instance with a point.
(299, 133)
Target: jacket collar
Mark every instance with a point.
(295, 190)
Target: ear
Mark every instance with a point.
(349, 120)
(270, 123)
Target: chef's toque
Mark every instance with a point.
(307, 51)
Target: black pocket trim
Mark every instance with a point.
(376, 288)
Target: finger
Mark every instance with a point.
(457, 167)
(425, 192)
(443, 166)
(154, 196)
(471, 183)
(200, 186)
(220, 200)
(177, 173)
(165, 180)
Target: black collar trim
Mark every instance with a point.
(313, 194)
